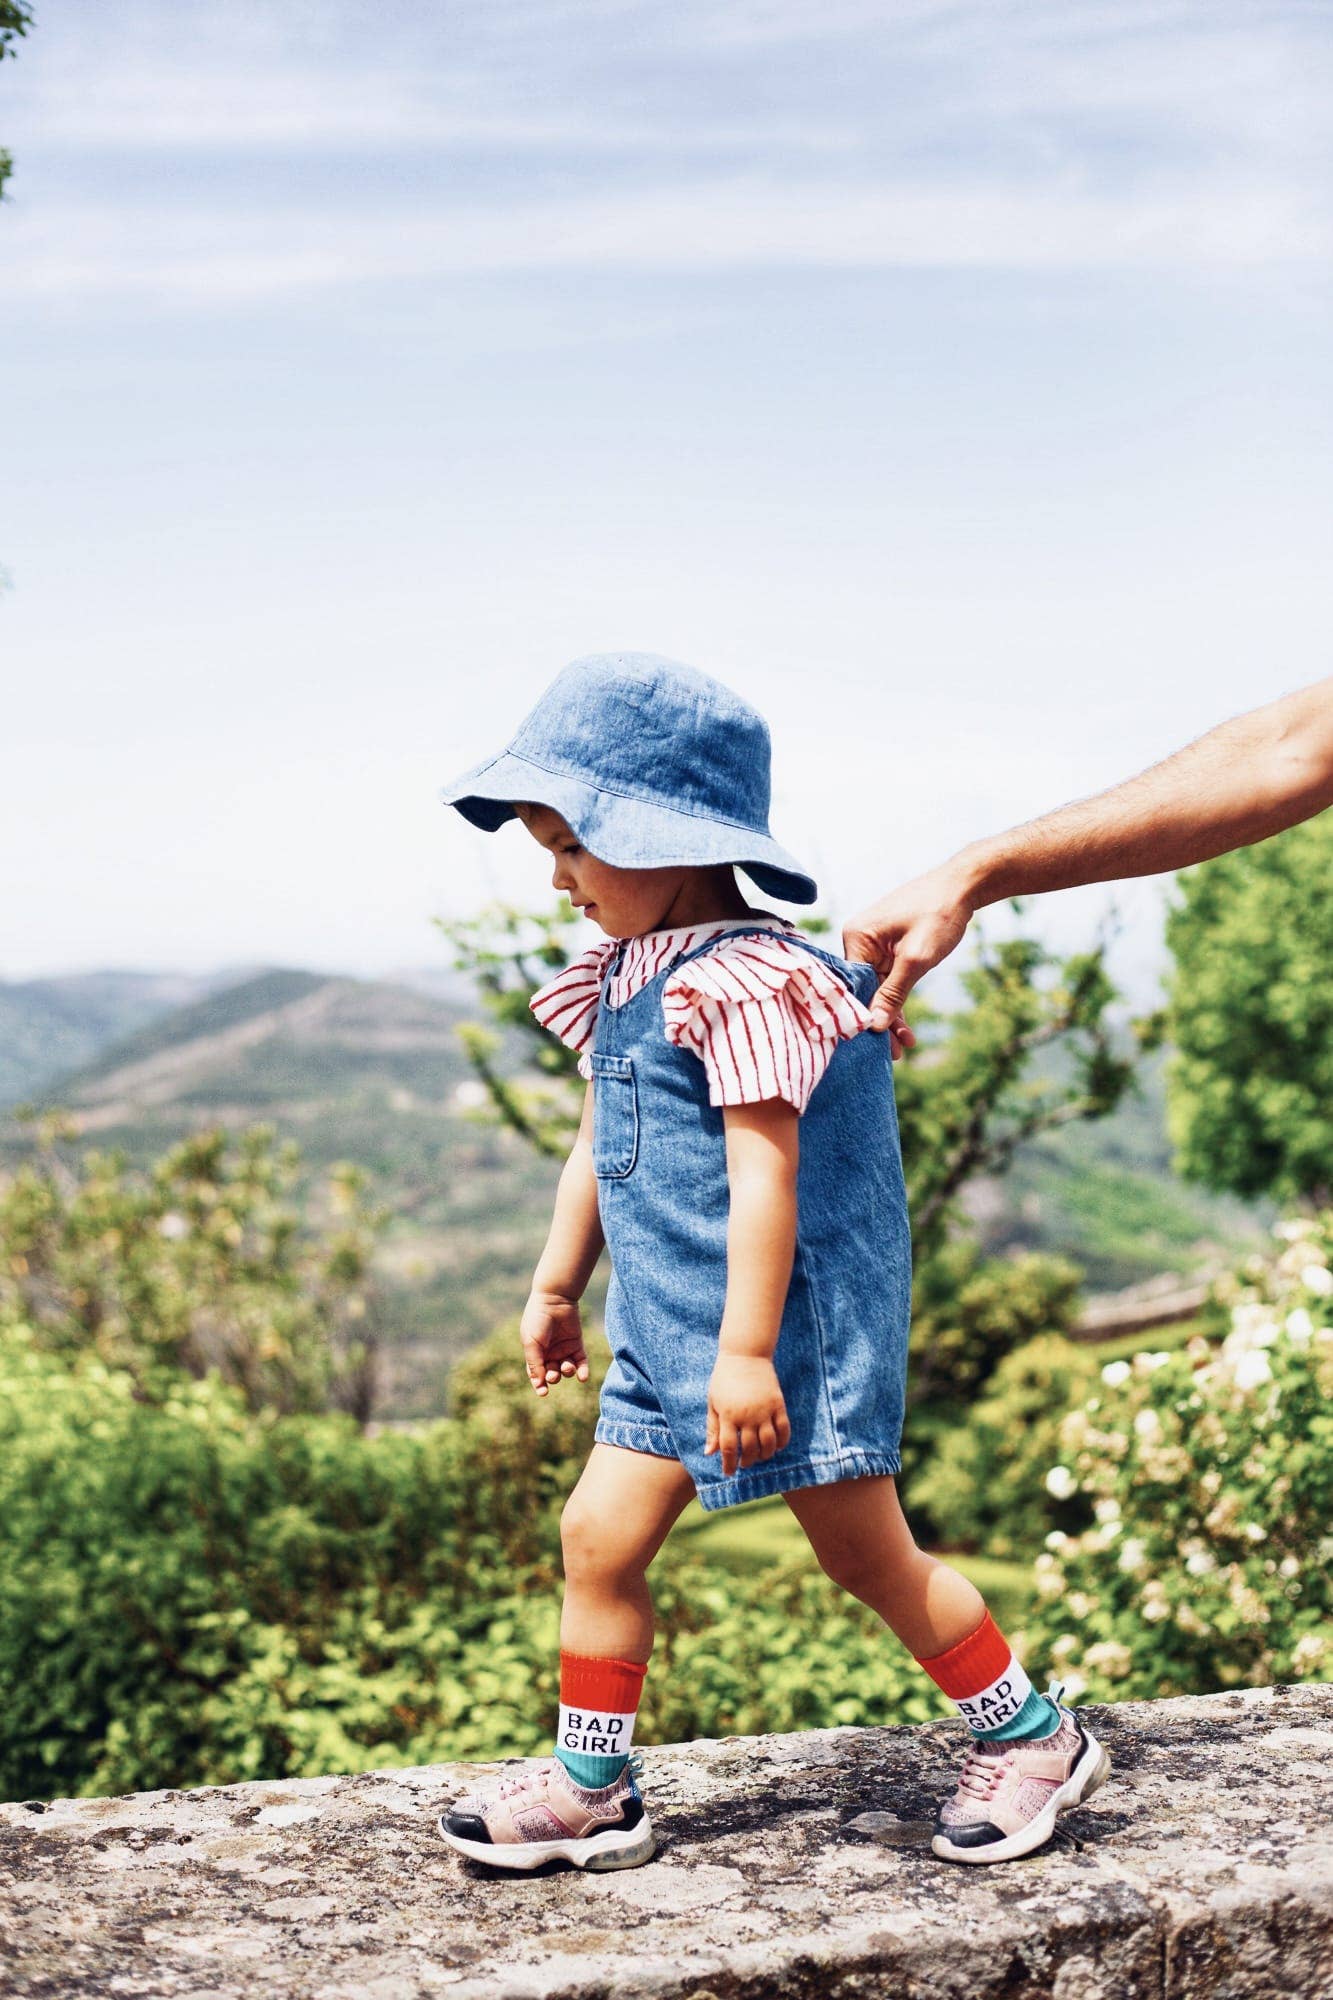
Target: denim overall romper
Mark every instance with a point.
(659, 1154)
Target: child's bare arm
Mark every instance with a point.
(550, 1329)
(747, 1417)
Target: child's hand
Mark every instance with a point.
(552, 1339)
(747, 1418)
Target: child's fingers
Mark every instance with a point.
(710, 1433)
(768, 1440)
(749, 1442)
(782, 1425)
(729, 1444)
(532, 1361)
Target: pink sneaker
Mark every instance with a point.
(542, 1815)
(1011, 1794)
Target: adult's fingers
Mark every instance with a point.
(886, 1008)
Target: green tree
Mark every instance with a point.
(202, 1265)
(15, 21)
(1250, 1017)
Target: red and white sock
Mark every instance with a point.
(598, 1703)
(982, 1674)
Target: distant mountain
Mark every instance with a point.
(50, 1026)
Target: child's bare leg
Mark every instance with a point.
(614, 1523)
(858, 1532)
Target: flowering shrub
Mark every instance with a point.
(1210, 1474)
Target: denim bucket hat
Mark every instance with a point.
(651, 763)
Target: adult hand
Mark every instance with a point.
(902, 936)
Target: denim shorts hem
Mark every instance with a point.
(652, 1438)
(762, 1481)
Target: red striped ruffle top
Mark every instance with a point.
(762, 1015)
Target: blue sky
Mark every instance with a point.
(952, 379)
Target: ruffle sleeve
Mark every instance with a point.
(764, 1018)
(568, 1006)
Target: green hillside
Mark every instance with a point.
(373, 1072)
(49, 1027)
(1105, 1194)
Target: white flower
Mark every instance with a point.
(1201, 1563)
(173, 1227)
(1254, 1533)
(1252, 1326)
(1107, 1508)
(1253, 1369)
(1148, 1426)
(1116, 1372)
(1110, 1657)
(1133, 1555)
(1061, 1483)
(1292, 1232)
(1308, 1656)
(1300, 1327)
(1057, 1540)
(1158, 1358)
(1318, 1280)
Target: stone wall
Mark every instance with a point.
(789, 1866)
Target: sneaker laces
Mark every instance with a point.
(509, 1788)
(981, 1771)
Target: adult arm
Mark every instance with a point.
(1248, 778)
(551, 1329)
(747, 1416)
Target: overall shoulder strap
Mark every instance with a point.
(745, 931)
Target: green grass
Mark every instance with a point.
(746, 1538)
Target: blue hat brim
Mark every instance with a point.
(627, 832)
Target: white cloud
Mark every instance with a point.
(709, 226)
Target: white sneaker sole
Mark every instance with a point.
(628, 1848)
(1088, 1775)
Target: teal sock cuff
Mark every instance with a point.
(591, 1772)
(1038, 1717)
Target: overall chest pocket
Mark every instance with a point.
(615, 1117)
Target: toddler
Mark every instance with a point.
(738, 1156)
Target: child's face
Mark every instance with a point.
(624, 902)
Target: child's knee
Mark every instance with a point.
(592, 1546)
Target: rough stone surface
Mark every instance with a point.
(789, 1866)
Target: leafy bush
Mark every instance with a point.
(194, 1593)
(986, 1485)
(1210, 1473)
(968, 1313)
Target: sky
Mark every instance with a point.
(952, 379)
